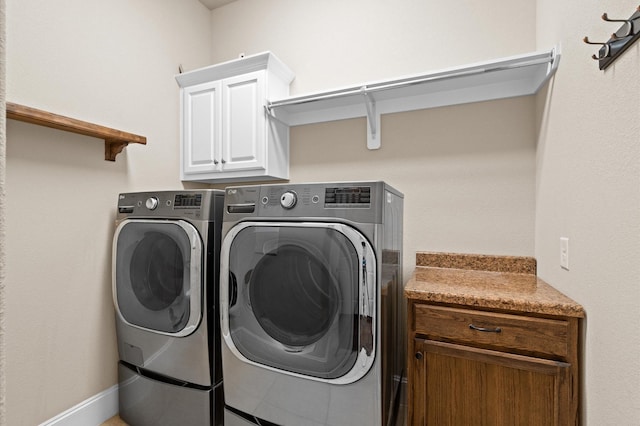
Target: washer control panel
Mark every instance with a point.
(168, 204)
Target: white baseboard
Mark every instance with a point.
(90, 412)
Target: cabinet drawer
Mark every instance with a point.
(499, 331)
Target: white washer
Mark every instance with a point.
(311, 303)
(165, 285)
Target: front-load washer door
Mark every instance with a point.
(157, 280)
(299, 298)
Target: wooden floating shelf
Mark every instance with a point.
(114, 140)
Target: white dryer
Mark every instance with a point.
(311, 304)
(165, 287)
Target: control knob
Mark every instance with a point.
(151, 203)
(288, 200)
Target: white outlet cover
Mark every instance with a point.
(564, 253)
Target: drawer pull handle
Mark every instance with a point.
(486, 330)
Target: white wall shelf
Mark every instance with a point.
(520, 75)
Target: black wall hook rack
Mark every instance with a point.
(621, 40)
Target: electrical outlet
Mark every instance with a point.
(564, 253)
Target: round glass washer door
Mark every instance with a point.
(157, 275)
(297, 297)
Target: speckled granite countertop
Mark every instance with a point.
(496, 282)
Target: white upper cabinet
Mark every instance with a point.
(226, 133)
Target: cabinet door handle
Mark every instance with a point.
(223, 161)
(215, 161)
(418, 355)
(486, 330)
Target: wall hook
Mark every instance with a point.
(602, 53)
(620, 40)
(586, 40)
(625, 30)
(605, 17)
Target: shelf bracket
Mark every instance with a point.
(373, 120)
(271, 115)
(113, 147)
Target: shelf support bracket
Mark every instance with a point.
(271, 115)
(113, 147)
(373, 120)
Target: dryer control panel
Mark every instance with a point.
(289, 197)
(358, 201)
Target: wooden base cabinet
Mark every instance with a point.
(472, 367)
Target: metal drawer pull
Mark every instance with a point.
(486, 330)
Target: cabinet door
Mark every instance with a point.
(458, 385)
(201, 127)
(244, 123)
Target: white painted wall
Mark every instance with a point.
(112, 63)
(467, 172)
(588, 189)
(333, 43)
